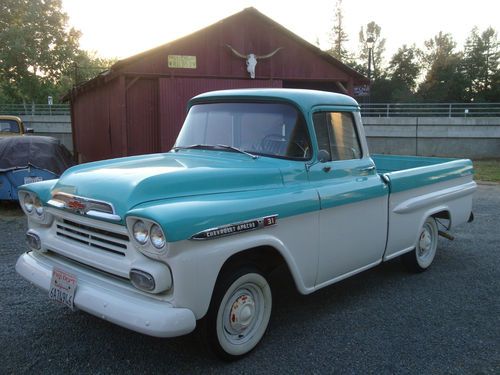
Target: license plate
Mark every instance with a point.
(63, 287)
(31, 179)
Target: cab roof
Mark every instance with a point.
(8, 117)
(304, 99)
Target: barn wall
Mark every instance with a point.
(175, 93)
(140, 104)
(142, 116)
(99, 122)
(247, 34)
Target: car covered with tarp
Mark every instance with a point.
(30, 159)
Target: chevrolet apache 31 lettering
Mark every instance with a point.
(258, 179)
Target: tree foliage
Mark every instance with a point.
(403, 71)
(480, 65)
(339, 36)
(438, 73)
(373, 32)
(443, 81)
(38, 51)
(35, 47)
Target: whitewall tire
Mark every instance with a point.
(239, 313)
(422, 256)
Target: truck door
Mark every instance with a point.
(353, 198)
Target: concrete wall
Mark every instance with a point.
(475, 138)
(53, 126)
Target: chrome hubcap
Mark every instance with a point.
(425, 242)
(242, 313)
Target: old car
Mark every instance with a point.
(12, 126)
(30, 159)
(164, 243)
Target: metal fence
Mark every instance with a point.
(34, 109)
(430, 109)
(367, 109)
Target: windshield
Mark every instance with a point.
(9, 126)
(270, 129)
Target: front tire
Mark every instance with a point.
(239, 313)
(420, 259)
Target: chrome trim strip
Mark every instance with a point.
(236, 228)
(55, 203)
(103, 215)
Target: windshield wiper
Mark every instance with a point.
(214, 147)
(192, 146)
(238, 150)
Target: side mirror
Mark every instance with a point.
(323, 156)
(29, 130)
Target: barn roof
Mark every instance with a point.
(122, 65)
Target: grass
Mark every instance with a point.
(487, 170)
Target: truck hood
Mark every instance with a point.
(127, 182)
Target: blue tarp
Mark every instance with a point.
(26, 159)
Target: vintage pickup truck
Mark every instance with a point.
(257, 179)
(12, 126)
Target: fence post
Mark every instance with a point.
(449, 110)
(387, 111)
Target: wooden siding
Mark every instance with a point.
(175, 93)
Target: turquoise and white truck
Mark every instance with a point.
(164, 243)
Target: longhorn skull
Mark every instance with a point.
(251, 58)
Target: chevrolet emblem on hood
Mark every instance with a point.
(84, 206)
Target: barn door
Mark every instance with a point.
(142, 116)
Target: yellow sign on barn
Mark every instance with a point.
(181, 61)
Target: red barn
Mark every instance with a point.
(138, 106)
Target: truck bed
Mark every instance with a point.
(420, 187)
(408, 172)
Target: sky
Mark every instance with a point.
(122, 28)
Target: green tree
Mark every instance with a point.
(85, 66)
(371, 32)
(481, 65)
(444, 81)
(339, 36)
(404, 70)
(36, 47)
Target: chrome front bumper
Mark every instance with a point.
(110, 299)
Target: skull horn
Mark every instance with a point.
(236, 52)
(269, 54)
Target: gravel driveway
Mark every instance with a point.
(383, 321)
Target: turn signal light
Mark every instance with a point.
(142, 280)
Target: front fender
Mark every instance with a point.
(196, 265)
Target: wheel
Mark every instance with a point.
(239, 313)
(422, 256)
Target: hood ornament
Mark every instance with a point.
(252, 58)
(84, 206)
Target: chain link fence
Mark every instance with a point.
(430, 109)
(367, 109)
(34, 109)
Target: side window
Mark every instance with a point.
(336, 133)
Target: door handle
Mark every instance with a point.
(367, 169)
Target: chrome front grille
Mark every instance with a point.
(92, 237)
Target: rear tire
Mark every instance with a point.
(239, 313)
(420, 259)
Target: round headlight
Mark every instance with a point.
(140, 232)
(157, 237)
(38, 206)
(28, 203)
